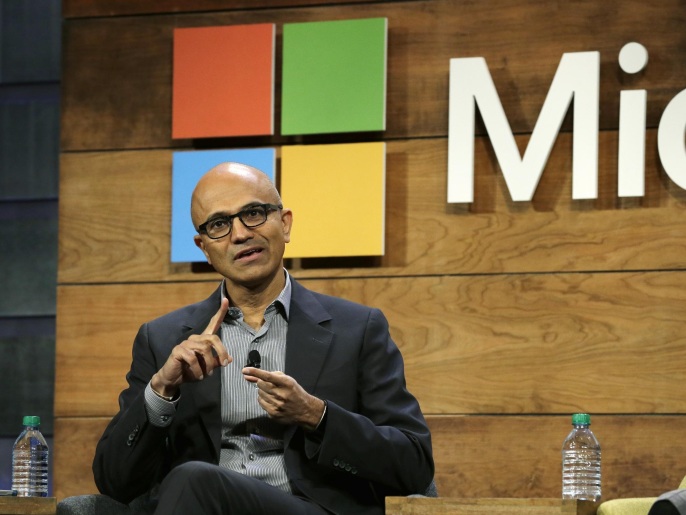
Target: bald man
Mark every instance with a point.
(266, 397)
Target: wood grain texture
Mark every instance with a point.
(519, 456)
(92, 8)
(73, 457)
(28, 505)
(95, 332)
(478, 456)
(512, 506)
(115, 216)
(115, 220)
(118, 89)
(603, 343)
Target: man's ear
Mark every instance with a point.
(287, 221)
(197, 239)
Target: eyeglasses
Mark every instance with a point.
(251, 217)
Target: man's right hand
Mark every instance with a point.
(193, 359)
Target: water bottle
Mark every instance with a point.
(30, 461)
(581, 461)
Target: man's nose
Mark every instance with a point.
(239, 232)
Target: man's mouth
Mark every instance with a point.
(248, 253)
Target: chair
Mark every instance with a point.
(673, 502)
(96, 504)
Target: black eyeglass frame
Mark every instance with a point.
(202, 228)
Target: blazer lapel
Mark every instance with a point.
(206, 394)
(307, 343)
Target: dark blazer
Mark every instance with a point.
(375, 443)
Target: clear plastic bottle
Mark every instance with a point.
(30, 461)
(581, 461)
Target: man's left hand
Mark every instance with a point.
(284, 399)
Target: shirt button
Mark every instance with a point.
(252, 457)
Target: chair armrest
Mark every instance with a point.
(91, 504)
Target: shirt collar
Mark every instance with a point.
(284, 298)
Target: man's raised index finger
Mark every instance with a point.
(218, 318)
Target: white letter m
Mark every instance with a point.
(577, 77)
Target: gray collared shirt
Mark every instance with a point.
(251, 443)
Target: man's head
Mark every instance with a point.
(248, 257)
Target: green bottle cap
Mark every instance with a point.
(31, 420)
(581, 419)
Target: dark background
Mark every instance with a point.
(30, 49)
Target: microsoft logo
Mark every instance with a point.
(333, 81)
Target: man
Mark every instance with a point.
(317, 421)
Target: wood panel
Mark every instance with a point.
(478, 456)
(11, 505)
(115, 219)
(490, 506)
(118, 89)
(75, 442)
(115, 216)
(507, 314)
(96, 326)
(90, 8)
(604, 343)
(482, 456)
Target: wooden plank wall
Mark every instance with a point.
(510, 316)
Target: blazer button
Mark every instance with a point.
(335, 462)
(132, 436)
